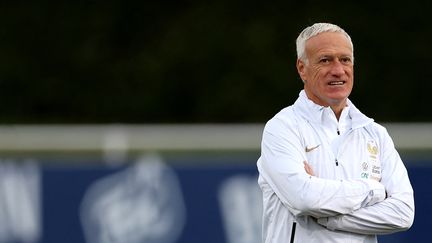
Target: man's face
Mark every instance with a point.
(329, 74)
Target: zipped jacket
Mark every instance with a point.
(360, 186)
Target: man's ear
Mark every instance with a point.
(301, 69)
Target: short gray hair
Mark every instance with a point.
(314, 30)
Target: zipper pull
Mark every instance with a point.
(337, 162)
(338, 132)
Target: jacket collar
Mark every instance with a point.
(314, 113)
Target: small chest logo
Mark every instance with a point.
(365, 166)
(309, 149)
(372, 166)
(372, 148)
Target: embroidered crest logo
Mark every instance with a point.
(372, 148)
(373, 161)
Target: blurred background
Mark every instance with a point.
(124, 121)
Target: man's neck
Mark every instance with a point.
(337, 109)
(336, 105)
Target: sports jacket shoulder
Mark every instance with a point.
(344, 202)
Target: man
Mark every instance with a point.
(327, 172)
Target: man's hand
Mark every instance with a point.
(308, 168)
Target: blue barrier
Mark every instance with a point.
(184, 199)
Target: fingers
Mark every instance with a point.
(308, 168)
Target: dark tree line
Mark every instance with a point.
(198, 61)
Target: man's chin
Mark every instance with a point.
(339, 95)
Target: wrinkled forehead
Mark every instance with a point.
(334, 43)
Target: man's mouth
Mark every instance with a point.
(336, 83)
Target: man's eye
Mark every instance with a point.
(324, 60)
(346, 60)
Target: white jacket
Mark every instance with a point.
(344, 202)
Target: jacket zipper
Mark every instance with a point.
(293, 232)
(338, 133)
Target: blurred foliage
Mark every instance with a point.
(198, 61)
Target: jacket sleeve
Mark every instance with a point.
(281, 166)
(395, 213)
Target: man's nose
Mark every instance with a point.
(337, 68)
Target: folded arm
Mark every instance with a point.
(395, 213)
(281, 165)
